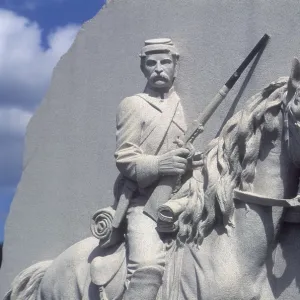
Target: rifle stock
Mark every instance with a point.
(160, 195)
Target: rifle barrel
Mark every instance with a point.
(195, 129)
(236, 75)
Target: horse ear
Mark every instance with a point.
(294, 80)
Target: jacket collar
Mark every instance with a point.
(179, 118)
(158, 103)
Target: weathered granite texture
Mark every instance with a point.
(68, 165)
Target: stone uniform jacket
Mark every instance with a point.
(146, 127)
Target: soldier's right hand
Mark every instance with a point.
(173, 162)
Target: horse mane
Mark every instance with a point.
(229, 163)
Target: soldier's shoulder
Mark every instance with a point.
(131, 102)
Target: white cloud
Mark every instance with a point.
(60, 40)
(25, 73)
(13, 121)
(23, 61)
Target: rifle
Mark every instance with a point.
(162, 193)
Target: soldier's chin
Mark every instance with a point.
(160, 84)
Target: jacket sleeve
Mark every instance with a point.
(130, 159)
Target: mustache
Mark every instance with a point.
(160, 77)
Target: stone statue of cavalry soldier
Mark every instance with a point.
(147, 126)
(154, 150)
(131, 252)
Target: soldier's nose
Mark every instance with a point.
(158, 68)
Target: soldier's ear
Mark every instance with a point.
(176, 63)
(142, 68)
(142, 65)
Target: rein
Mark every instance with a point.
(253, 198)
(291, 215)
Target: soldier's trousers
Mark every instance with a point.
(145, 250)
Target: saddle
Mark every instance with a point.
(104, 268)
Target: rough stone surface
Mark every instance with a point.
(69, 166)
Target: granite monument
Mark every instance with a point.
(236, 233)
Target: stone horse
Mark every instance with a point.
(238, 203)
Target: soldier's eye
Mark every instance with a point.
(166, 61)
(151, 63)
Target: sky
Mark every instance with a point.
(34, 34)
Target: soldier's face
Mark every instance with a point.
(159, 69)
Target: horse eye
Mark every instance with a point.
(296, 101)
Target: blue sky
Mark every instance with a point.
(34, 34)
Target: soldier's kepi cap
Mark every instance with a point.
(159, 45)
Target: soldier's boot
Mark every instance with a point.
(144, 284)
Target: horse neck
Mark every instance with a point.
(275, 175)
